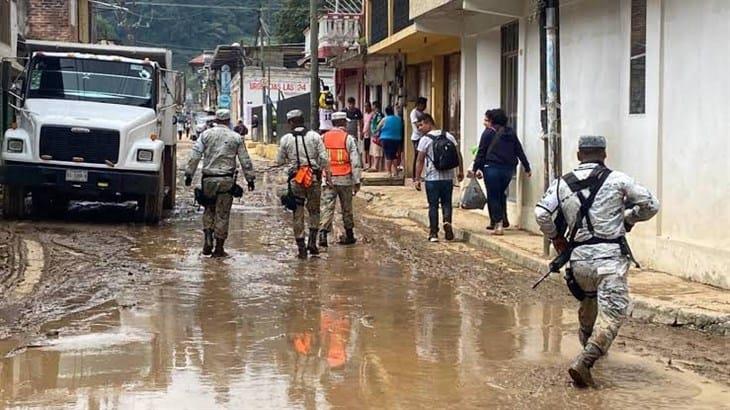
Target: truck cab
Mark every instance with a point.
(94, 123)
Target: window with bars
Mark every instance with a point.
(378, 20)
(637, 77)
(5, 21)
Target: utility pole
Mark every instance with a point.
(553, 152)
(263, 123)
(554, 139)
(314, 64)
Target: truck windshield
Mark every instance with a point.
(112, 82)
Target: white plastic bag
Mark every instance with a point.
(473, 197)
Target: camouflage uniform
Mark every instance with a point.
(342, 188)
(317, 156)
(602, 267)
(219, 147)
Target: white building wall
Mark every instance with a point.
(694, 149)
(677, 148)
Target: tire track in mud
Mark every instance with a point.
(59, 270)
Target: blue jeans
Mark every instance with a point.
(497, 180)
(439, 192)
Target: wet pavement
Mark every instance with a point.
(149, 323)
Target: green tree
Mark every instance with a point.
(292, 20)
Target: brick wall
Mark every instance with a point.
(49, 20)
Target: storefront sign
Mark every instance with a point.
(283, 86)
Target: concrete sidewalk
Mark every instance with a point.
(658, 297)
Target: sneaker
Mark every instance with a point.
(498, 229)
(448, 232)
(433, 237)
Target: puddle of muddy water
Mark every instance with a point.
(352, 329)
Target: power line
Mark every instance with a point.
(200, 6)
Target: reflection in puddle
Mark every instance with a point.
(346, 330)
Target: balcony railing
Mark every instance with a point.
(401, 20)
(379, 21)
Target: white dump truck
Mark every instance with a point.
(94, 122)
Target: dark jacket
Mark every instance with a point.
(506, 153)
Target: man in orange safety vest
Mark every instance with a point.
(346, 169)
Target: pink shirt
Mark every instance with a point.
(366, 119)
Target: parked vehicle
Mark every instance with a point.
(93, 122)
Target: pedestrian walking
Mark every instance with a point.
(496, 161)
(354, 117)
(187, 127)
(366, 135)
(376, 149)
(241, 129)
(415, 134)
(306, 155)
(437, 162)
(180, 127)
(598, 206)
(345, 167)
(218, 147)
(326, 109)
(390, 132)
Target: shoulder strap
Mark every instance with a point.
(594, 183)
(296, 135)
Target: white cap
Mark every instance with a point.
(294, 114)
(339, 116)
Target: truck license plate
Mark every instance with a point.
(77, 175)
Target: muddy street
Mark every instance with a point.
(103, 315)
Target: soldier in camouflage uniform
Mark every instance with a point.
(600, 256)
(218, 147)
(303, 148)
(346, 169)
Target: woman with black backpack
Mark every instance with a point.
(496, 161)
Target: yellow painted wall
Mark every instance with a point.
(437, 89)
(418, 7)
(84, 26)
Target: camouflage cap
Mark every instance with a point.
(294, 114)
(223, 115)
(591, 141)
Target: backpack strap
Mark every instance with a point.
(296, 135)
(593, 183)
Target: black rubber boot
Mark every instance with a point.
(580, 369)
(312, 243)
(302, 249)
(219, 252)
(348, 238)
(208, 244)
(323, 239)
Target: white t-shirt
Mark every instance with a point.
(430, 172)
(325, 119)
(415, 135)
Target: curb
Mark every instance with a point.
(644, 308)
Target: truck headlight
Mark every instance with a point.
(145, 155)
(15, 145)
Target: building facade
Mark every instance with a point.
(647, 74)
(406, 61)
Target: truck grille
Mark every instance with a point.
(95, 146)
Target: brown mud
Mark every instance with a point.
(119, 315)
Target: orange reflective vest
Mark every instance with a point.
(335, 140)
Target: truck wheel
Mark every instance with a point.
(13, 202)
(152, 204)
(170, 164)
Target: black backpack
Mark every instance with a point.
(445, 153)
